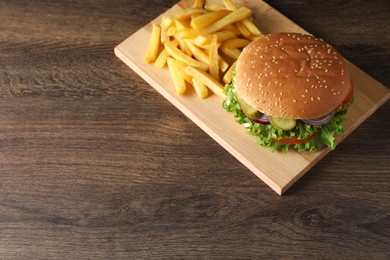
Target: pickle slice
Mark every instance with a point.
(282, 123)
(249, 111)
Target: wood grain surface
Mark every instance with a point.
(95, 164)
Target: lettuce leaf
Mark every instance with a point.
(266, 134)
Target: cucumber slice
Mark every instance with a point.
(249, 111)
(282, 123)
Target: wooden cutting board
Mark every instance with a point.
(278, 170)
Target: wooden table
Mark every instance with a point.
(94, 163)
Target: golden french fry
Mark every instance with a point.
(181, 65)
(199, 54)
(231, 52)
(202, 21)
(198, 4)
(213, 58)
(183, 47)
(154, 45)
(164, 35)
(200, 88)
(205, 39)
(243, 30)
(187, 33)
(179, 55)
(247, 22)
(235, 43)
(214, 7)
(232, 28)
(206, 79)
(166, 21)
(223, 65)
(172, 30)
(235, 16)
(227, 78)
(177, 76)
(188, 12)
(229, 5)
(202, 40)
(161, 59)
(251, 27)
(181, 25)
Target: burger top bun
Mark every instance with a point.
(292, 75)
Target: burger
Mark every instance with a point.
(290, 90)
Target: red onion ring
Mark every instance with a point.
(319, 120)
(262, 120)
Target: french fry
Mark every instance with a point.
(200, 88)
(198, 4)
(181, 65)
(179, 55)
(205, 39)
(183, 47)
(187, 33)
(243, 30)
(181, 25)
(161, 59)
(199, 54)
(232, 28)
(166, 21)
(202, 21)
(206, 79)
(251, 27)
(227, 78)
(172, 30)
(235, 16)
(177, 76)
(213, 58)
(214, 7)
(235, 43)
(233, 53)
(154, 45)
(229, 5)
(188, 12)
(223, 65)
(246, 22)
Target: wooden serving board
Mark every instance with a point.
(276, 169)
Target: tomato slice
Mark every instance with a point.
(348, 98)
(295, 140)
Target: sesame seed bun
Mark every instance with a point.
(292, 75)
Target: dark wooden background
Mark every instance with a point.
(94, 163)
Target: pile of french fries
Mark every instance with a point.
(200, 45)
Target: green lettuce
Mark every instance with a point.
(324, 136)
